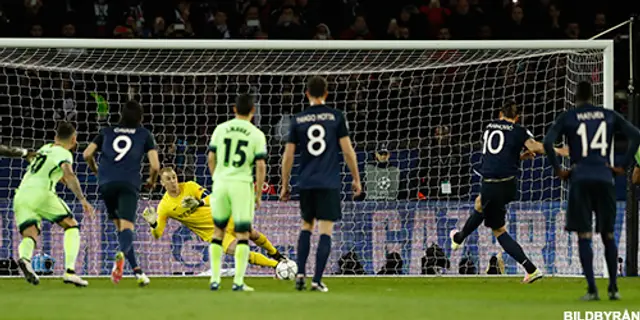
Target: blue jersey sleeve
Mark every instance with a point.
(98, 140)
(343, 131)
(550, 139)
(150, 142)
(293, 135)
(632, 134)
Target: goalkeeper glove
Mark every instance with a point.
(191, 203)
(150, 216)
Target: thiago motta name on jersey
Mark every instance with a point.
(602, 315)
(316, 117)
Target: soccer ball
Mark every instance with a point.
(286, 270)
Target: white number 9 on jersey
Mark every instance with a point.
(121, 149)
(316, 145)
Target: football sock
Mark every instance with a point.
(304, 243)
(71, 247)
(125, 238)
(215, 254)
(472, 223)
(25, 250)
(515, 250)
(322, 255)
(260, 259)
(586, 259)
(264, 243)
(241, 261)
(611, 255)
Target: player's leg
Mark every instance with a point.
(127, 209)
(242, 212)
(579, 211)
(263, 242)
(28, 223)
(221, 213)
(229, 246)
(472, 223)
(109, 196)
(308, 214)
(71, 249)
(498, 195)
(328, 212)
(605, 209)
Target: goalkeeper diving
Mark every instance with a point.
(188, 203)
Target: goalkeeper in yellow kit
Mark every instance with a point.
(188, 203)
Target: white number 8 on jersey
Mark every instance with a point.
(316, 144)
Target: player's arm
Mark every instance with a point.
(552, 135)
(154, 161)
(14, 152)
(211, 156)
(635, 178)
(538, 148)
(633, 137)
(157, 221)
(287, 164)
(90, 152)
(197, 196)
(260, 156)
(349, 156)
(69, 178)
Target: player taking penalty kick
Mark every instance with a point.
(189, 204)
(36, 199)
(236, 146)
(321, 133)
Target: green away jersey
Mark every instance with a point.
(44, 170)
(638, 156)
(237, 145)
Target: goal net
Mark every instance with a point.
(416, 113)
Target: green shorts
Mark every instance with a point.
(31, 206)
(233, 199)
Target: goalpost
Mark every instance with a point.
(426, 102)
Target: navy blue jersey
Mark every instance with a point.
(503, 143)
(316, 133)
(589, 132)
(122, 152)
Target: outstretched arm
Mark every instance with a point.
(633, 135)
(538, 148)
(14, 152)
(550, 139)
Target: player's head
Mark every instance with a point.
(169, 179)
(584, 92)
(245, 106)
(510, 111)
(131, 114)
(317, 88)
(66, 135)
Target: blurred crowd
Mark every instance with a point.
(308, 19)
(435, 112)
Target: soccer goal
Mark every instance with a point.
(415, 109)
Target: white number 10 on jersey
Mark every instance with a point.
(488, 141)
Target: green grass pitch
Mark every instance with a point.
(349, 298)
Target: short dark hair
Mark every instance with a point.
(317, 87)
(131, 114)
(244, 104)
(584, 91)
(65, 130)
(510, 110)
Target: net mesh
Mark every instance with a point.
(428, 108)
